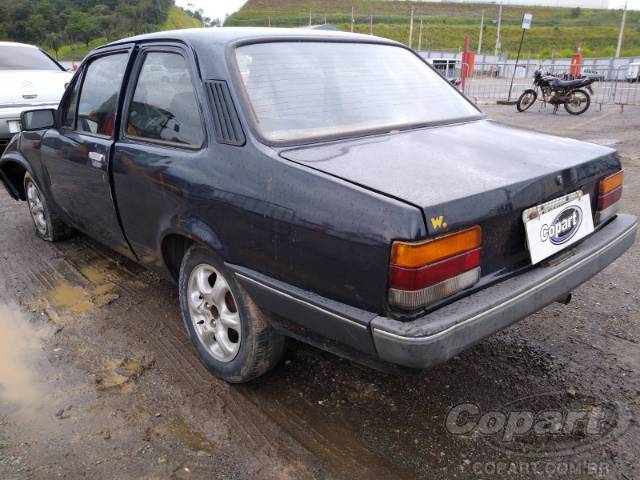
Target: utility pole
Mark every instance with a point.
(498, 32)
(480, 35)
(371, 25)
(411, 30)
(621, 34)
(526, 25)
(420, 37)
(353, 20)
(309, 17)
(269, 19)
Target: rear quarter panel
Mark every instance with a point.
(283, 220)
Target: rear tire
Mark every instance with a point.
(47, 224)
(527, 99)
(230, 334)
(579, 104)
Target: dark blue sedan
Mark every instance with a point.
(319, 185)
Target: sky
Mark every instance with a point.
(215, 8)
(220, 8)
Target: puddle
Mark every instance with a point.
(120, 374)
(78, 300)
(177, 428)
(19, 347)
(98, 272)
(67, 297)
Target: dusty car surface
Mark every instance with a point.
(325, 186)
(30, 79)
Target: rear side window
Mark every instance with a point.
(99, 95)
(164, 106)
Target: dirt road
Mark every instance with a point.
(98, 380)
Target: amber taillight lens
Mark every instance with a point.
(609, 195)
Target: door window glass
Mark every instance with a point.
(164, 106)
(99, 96)
(71, 105)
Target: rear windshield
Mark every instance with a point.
(14, 57)
(305, 90)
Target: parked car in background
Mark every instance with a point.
(29, 78)
(330, 187)
(633, 72)
(592, 74)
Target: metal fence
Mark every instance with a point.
(490, 82)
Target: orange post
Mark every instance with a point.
(576, 64)
(464, 67)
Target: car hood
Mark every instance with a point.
(466, 172)
(32, 87)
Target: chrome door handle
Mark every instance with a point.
(97, 159)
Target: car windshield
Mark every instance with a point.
(17, 57)
(305, 90)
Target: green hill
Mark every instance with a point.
(69, 29)
(554, 31)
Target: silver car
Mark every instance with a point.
(30, 79)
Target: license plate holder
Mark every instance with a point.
(14, 126)
(552, 226)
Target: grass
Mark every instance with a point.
(556, 30)
(177, 19)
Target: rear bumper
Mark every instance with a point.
(437, 336)
(441, 334)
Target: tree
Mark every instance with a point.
(36, 27)
(81, 27)
(54, 42)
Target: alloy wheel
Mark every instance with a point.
(36, 208)
(214, 313)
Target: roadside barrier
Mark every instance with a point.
(491, 82)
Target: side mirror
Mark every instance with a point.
(38, 119)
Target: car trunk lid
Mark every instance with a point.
(27, 87)
(478, 172)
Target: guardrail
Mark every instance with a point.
(488, 82)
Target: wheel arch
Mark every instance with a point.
(177, 240)
(13, 168)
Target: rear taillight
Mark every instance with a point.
(424, 272)
(609, 195)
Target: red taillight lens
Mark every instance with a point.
(424, 272)
(609, 194)
(417, 278)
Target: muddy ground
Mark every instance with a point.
(98, 380)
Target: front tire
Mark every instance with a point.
(230, 334)
(527, 99)
(580, 101)
(47, 224)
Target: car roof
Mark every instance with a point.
(225, 35)
(211, 44)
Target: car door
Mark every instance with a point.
(77, 155)
(162, 142)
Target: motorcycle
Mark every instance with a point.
(558, 92)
